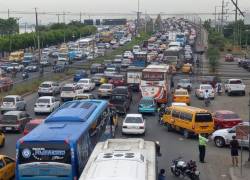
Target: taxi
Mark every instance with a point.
(186, 68)
(7, 168)
(2, 139)
(181, 95)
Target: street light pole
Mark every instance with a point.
(249, 131)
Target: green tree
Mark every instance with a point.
(213, 55)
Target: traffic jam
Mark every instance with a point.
(76, 128)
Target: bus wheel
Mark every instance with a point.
(186, 134)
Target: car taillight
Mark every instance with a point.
(141, 127)
(48, 105)
(124, 127)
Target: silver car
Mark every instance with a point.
(13, 103)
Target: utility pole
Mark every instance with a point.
(222, 16)
(38, 37)
(236, 25)
(58, 18)
(8, 13)
(64, 26)
(80, 17)
(138, 17)
(215, 20)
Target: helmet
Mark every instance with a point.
(206, 90)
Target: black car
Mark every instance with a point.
(120, 103)
(31, 68)
(123, 90)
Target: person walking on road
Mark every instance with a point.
(161, 175)
(234, 146)
(202, 147)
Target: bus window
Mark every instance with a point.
(203, 117)
(175, 114)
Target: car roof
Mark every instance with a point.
(85, 79)
(134, 115)
(181, 90)
(12, 96)
(45, 97)
(36, 121)
(107, 84)
(205, 85)
(13, 112)
(69, 85)
(225, 112)
(47, 82)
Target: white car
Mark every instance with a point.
(13, 103)
(136, 49)
(222, 137)
(46, 104)
(87, 84)
(49, 88)
(199, 92)
(185, 83)
(70, 91)
(233, 86)
(128, 54)
(105, 90)
(134, 124)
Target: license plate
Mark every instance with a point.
(8, 128)
(134, 127)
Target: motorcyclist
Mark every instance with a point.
(161, 112)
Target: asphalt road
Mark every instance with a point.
(173, 144)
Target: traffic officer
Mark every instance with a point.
(202, 147)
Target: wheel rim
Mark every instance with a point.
(218, 142)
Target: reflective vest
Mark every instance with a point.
(202, 141)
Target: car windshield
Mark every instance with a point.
(10, 117)
(184, 81)
(8, 99)
(67, 88)
(235, 82)
(206, 87)
(147, 101)
(180, 93)
(83, 81)
(133, 120)
(118, 98)
(231, 116)
(105, 87)
(45, 85)
(43, 100)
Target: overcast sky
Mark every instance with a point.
(126, 6)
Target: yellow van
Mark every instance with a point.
(189, 120)
(16, 56)
(181, 95)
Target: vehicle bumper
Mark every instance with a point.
(45, 93)
(9, 127)
(132, 131)
(3, 109)
(147, 110)
(237, 92)
(42, 110)
(103, 94)
(67, 98)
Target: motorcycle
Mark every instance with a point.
(219, 88)
(25, 75)
(180, 167)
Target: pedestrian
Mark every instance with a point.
(202, 147)
(172, 82)
(234, 146)
(161, 175)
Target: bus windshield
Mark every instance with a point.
(44, 159)
(153, 76)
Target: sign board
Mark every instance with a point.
(247, 19)
(242, 132)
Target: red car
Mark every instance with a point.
(229, 58)
(117, 80)
(226, 119)
(31, 125)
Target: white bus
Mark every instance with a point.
(119, 159)
(155, 82)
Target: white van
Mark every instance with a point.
(118, 159)
(136, 49)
